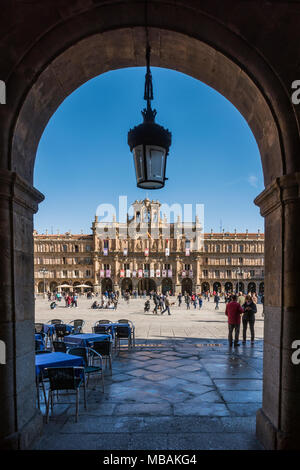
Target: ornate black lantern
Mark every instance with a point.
(149, 142)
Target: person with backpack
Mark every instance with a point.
(250, 310)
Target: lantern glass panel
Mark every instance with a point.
(155, 163)
(138, 163)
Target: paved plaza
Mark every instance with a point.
(182, 387)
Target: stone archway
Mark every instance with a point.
(251, 287)
(217, 287)
(239, 287)
(46, 61)
(106, 285)
(167, 286)
(205, 287)
(187, 286)
(126, 285)
(228, 287)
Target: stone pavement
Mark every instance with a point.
(182, 387)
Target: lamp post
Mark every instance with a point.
(44, 272)
(239, 272)
(149, 142)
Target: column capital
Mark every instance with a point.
(16, 189)
(283, 190)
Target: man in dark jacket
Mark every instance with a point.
(250, 310)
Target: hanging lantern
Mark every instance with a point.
(149, 142)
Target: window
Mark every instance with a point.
(147, 267)
(206, 248)
(228, 272)
(206, 260)
(229, 248)
(228, 260)
(187, 267)
(76, 273)
(65, 248)
(167, 266)
(218, 248)
(262, 273)
(240, 260)
(205, 273)
(217, 273)
(106, 267)
(76, 248)
(252, 273)
(126, 266)
(88, 273)
(64, 260)
(241, 248)
(88, 247)
(65, 273)
(106, 244)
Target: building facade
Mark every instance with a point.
(148, 253)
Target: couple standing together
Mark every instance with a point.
(234, 311)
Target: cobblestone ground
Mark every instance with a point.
(180, 388)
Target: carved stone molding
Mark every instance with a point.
(283, 190)
(14, 188)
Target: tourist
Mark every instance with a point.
(74, 300)
(200, 301)
(233, 311)
(187, 300)
(167, 307)
(250, 310)
(156, 303)
(179, 297)
(254, 297)
(216, 300)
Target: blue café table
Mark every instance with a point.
(56, 359)
(86, 339)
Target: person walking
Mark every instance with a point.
(156, 303)
(217, 300)
(234, 311)
(250, 310)
(179, 299)
(187, 301)
(167, 307)
(200, 301)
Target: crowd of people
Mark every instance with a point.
(239, 308)
(108, 300)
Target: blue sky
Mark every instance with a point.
(84, 160)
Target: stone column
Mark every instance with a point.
(278, 421)
(20, 421)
